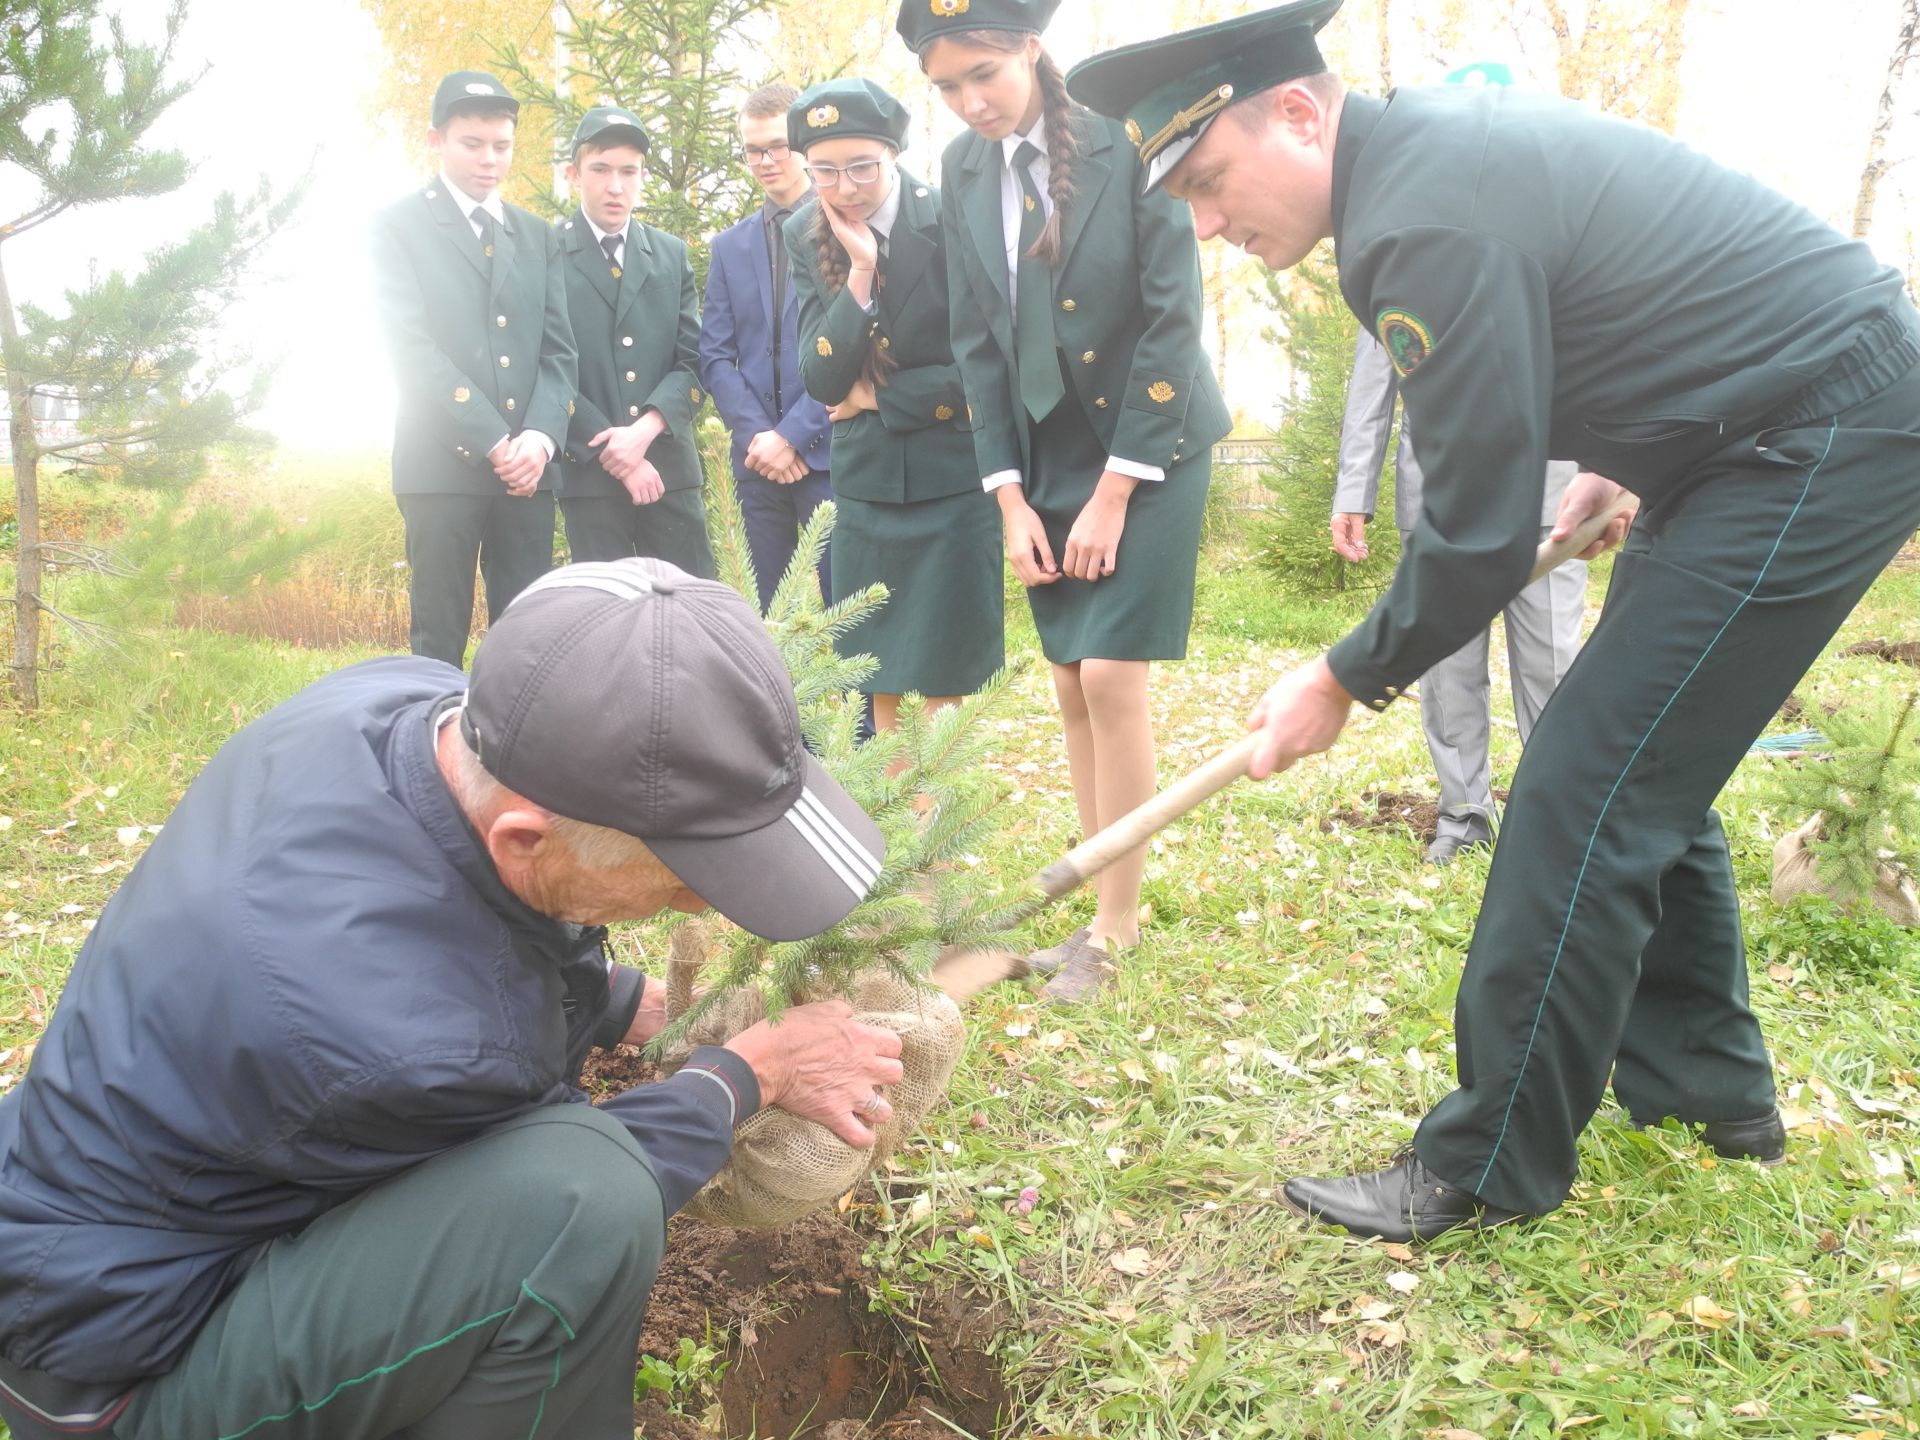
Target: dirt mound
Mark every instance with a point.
(1897, 652)
(805, 1357)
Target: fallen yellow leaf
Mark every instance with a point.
(1702, 1311)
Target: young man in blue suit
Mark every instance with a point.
(748, 361)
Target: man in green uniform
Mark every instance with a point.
(1554, 284)
(629, 473)
(471, 292)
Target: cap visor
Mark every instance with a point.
(1161, 166)
(793, 878)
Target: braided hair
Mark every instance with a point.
(1066, 132)
(834, 264)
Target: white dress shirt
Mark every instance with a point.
(619, 238)
(1012, 201)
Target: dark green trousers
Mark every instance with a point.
(509, 537)
(495, 1291)
(1609, 938)
(611, 527)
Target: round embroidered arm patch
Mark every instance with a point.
(1407, 338)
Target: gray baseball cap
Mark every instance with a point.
(633, 695)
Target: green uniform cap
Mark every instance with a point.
(466, 90)
(608, 125)
(844, 109)
(922, 22)
(1168, 91)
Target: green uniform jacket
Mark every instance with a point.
(1127, 298)
(639, 338)
(481, 347)
(1555, 284)
(917, 445)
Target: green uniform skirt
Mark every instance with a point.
(1144, 609)
(940, 632)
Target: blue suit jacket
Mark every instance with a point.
(736, 350)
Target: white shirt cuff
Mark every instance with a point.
(545, 439)
(998, 478)
(1135, 468)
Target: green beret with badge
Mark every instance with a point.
(1168, 91)
(846, 110)
(605, 126)
(921, 22)
(466, 92)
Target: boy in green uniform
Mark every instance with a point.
(471, 293)
(629, 473)
(1551, 283)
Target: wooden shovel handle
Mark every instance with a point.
(1552, 555)
(1135, 828)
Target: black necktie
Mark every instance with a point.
(611, 244)
(1034, 345)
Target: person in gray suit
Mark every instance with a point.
(1543, 620)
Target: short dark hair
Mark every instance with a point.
(774, 99)
(1251, 114)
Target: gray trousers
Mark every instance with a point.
(1456, 697)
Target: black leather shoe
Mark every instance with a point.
(1762, 1137)
(1405, 1202)
(1445, 849)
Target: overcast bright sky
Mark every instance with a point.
(1766, 89)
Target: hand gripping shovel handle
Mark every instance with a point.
(1135, 828)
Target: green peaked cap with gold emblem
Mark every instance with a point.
(843, 110)
(1168, 91)
(921, 22)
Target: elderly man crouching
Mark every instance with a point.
(302, 1154)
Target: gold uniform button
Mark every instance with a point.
(569, 407)
(489, 252)
(461, 394)
(943, 412)
(1392, 693)
(505, 362)
(1068, 305)
(1088, 358)
(626, 339)
(629, 377)
(1099, 402)
(633, 409)
(885, 343)
(500, 321)
(509, 402)
(435, 195)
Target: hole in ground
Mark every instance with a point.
(805, 1359)
(795, 1354)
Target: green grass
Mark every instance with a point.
(1289, 1011)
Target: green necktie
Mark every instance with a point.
(1034, 346)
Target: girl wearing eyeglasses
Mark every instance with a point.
(870, 275)
(1076, 313)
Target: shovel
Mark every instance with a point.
(964, 974)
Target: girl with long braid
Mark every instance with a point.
(1076, 314)
(870, 275)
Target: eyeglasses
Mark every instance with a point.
(861, 172)
(754, 154)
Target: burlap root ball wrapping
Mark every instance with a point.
(784, 1167)
(1795, 873)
